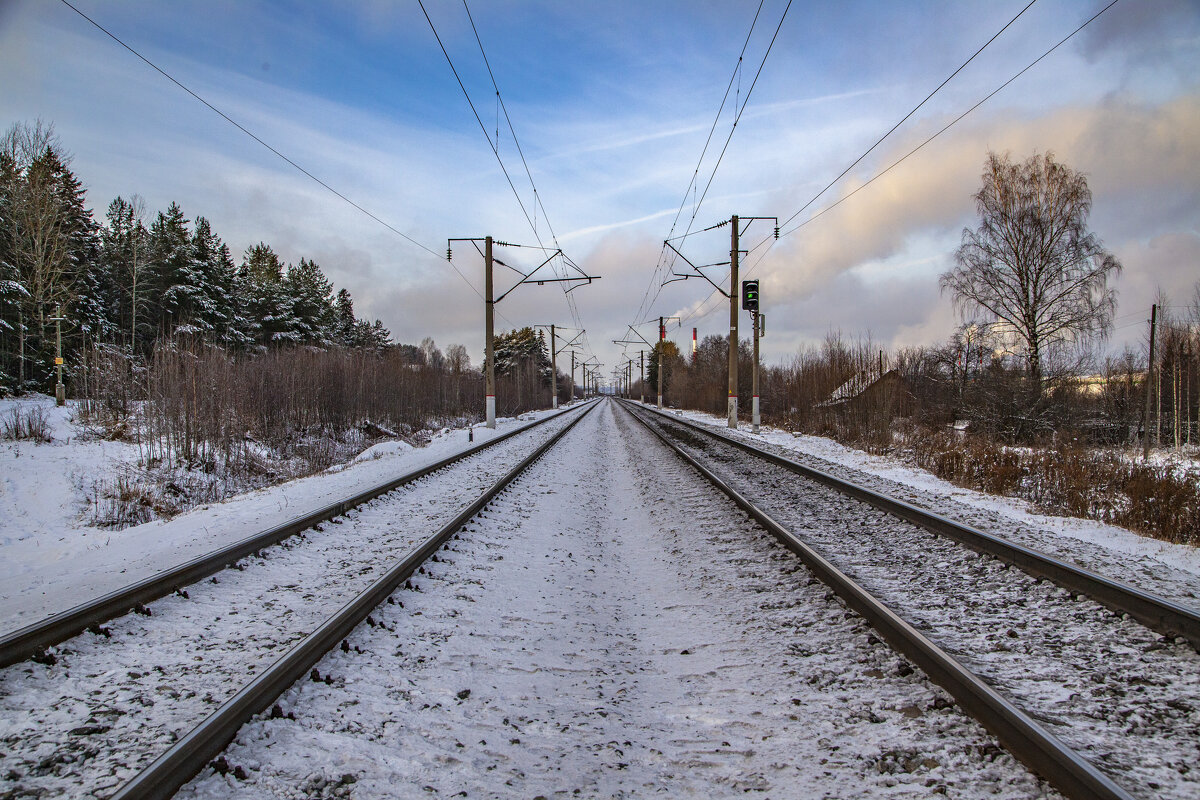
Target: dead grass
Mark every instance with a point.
(1156, 500)
(26, 423)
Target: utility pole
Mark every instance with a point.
(490, 301)
(733, 324)
(662, 338)
(489, 317)
(571, 383)
(60, 391)
(1149, 386)
(642, 385)
(553, 369)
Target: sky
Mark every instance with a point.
(612, 104)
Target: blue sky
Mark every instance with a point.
(612, 103)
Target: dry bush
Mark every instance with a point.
(1156, 500)
(26, 422)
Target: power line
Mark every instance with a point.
(237, 125)
(913, 151)
(663, 260)
(570, 301)
(950, 124)
(495, 145)
(914, 110)
(647, 302)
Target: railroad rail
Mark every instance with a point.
(175, 767)
(1025, 738)
(1157, 613)
(35, 638)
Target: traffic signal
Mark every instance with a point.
(750, 295)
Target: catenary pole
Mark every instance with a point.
(489, 321)
(662, 337)
(733, 324)
(553, 369)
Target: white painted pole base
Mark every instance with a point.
(733, 412)
(660, 402)
(754, 415)
(491, 411)
(555, 405)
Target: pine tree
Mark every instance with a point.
(268, 304)
(175, 279)
(312, 303)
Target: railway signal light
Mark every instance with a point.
(750, 295)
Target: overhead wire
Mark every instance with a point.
(771, 242)
(537, 199)
(696, 172)
(733, 127)
(258, 139)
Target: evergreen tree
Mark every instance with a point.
(124, 255)
(343, 319)
(175, 279)
(312, 303)
(268, 305)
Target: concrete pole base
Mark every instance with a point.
(60, 394)
(754, 416)
(491, 411)
(733, 420)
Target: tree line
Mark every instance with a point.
(134, 282)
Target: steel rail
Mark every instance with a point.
(185, 758)
(1028, 741)
(35, 638)
(1157, 613)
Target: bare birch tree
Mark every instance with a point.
(1032, 263)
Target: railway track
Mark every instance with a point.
(595, 665)
(1047, 657)
(613, 627)
(33, 639)
(83, 715)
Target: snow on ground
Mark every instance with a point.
(100, 707)
(1065, 660)
(608, 630)
(1175, 556)
(52, 560)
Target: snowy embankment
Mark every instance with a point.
(1171, 570)
(52, 559)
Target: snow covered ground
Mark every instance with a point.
(1171, 570)
(53, 560)
(606, 630)
(1117, 692)
(100, 707)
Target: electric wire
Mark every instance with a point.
(740, 110)
(914, 110)
(695, 312)
(502, 106)
(256, 138)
